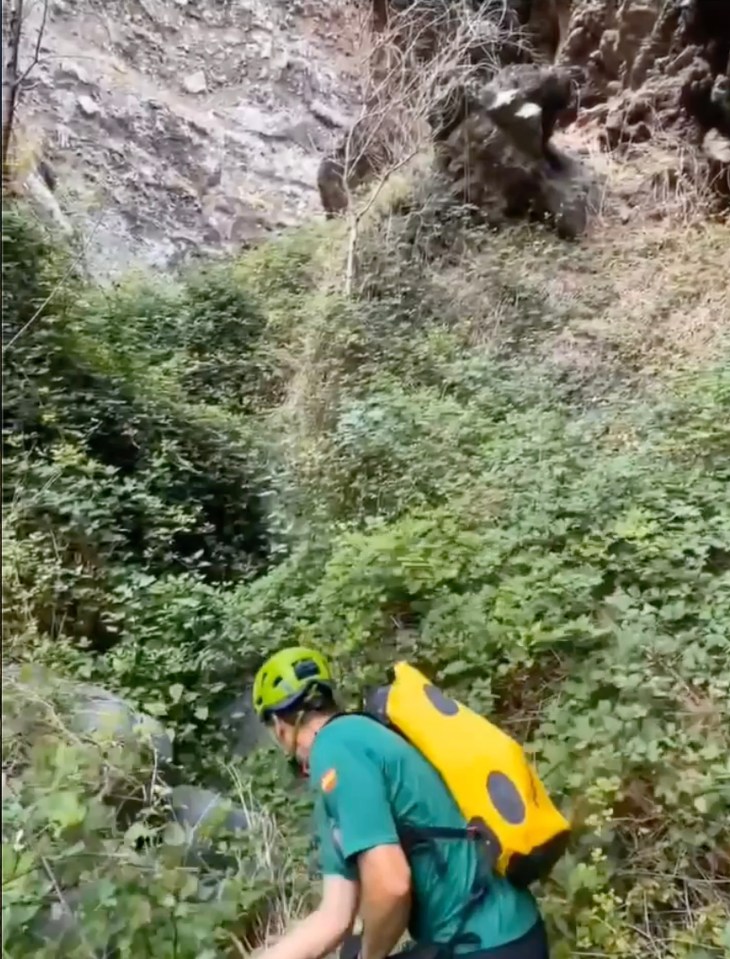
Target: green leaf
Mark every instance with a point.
(174, 834)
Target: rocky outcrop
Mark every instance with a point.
(639, 69)
(500, 157)
(491, 122)
(655, 68)
(171, 129)
(420, 50)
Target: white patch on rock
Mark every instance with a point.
(88, 107)
(74, 70)
(528, 111)
(195, 83)
(716, 146)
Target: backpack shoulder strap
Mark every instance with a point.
(415, 836)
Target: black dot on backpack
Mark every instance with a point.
(441, 703)
(505, 798)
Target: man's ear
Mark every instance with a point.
(276, 728)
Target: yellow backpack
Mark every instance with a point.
(497, 789)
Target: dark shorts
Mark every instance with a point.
(533, 945)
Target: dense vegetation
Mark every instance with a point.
(199, 470)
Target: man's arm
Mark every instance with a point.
(324, 929)
(385, 899)
(357, 795)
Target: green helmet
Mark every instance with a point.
(286, 677)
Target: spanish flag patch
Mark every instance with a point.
(329, 781)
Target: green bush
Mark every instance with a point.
(117, 375)
(93, 861)
(571, 576)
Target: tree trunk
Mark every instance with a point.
(10, 81)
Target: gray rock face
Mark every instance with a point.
(660, 68)
(102, 715)
(177, 129)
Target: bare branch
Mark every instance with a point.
(13, 82)
(38, 42)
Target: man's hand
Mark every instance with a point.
(322, 931)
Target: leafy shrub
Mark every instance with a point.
(569, 575)
(92, 860)
(220, 334)
(73, 526)
(202, 470)
(104, 376)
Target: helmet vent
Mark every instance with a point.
(306, 668)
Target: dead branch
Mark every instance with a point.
(38, 43)
(352, 240)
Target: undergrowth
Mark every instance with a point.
(492, 460)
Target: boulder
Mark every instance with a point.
(104, 716)
(205, 815)
(195, 83)
(88, 106)
(206, 812)
(242, 726)
(500, 157)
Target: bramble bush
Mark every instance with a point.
(203, 469)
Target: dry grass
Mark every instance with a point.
(663, 179)
(649, 296)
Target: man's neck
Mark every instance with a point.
(314, 726)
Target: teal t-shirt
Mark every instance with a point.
(366, 778)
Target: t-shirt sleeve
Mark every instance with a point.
(330, 859)
(355, 794)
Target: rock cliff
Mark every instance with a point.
(171, 127)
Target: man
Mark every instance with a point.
(370, 785)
